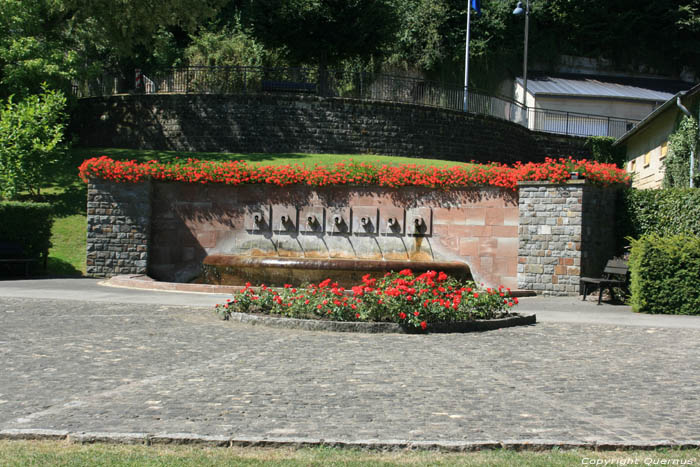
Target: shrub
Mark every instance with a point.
(664, 274)
(663, 212)
(28, 224)
(602, 150)
(413, 301)
(31, 132)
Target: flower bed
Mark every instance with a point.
(403, 298)
(351, 173)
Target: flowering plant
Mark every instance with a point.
(351, 173)
(404, 298)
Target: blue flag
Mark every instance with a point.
(476, 4)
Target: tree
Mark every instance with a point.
(432, 32)
(230, 45)
(33, 47)
(56, 41)
(323, 32)
(128, 24)
(31, 133)
(431, 39)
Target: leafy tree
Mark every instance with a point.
(230, 45)
(55, 41)
(33, 47)
(431, 39)
(127, 24)
(323, 32)
(31, 133)
(432, 32)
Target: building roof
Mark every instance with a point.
(608, 87)
(695, 90)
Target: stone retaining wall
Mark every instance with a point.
(542, 238)
(282, 123)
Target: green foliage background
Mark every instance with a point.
(57, 41)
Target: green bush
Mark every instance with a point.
(28, 224)
(31, 132)
(665, 212)
(664, 274)
(602, 150)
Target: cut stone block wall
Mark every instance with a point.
(118, 228)
(292, 123)
(565, 232)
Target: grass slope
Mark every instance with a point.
(80, 154)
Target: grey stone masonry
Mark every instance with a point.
(118, 229)
(565, 231)
(288, 123)
(549, 231)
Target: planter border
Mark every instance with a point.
(478, 325)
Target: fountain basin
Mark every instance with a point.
(221, 269)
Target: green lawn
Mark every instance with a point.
(68, 194)
(80, 154)
(68, 240)
(24, 453)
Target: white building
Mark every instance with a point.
(564, 103)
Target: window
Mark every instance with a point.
(664, 149)
(633, 165)
(647, 159)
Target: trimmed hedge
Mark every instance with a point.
(665, 274)
(667, 212)
(29, 224)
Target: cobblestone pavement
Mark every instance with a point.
(78, 366)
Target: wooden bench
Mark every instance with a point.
(288, 86)
(615, 274)
(12, 252)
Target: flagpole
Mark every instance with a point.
(466, 57)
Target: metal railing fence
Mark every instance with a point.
(356, 85)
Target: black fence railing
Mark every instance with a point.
(356, 85)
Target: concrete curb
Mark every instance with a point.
(374, 328)
(366, 444)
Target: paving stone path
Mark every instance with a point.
(136, 368)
